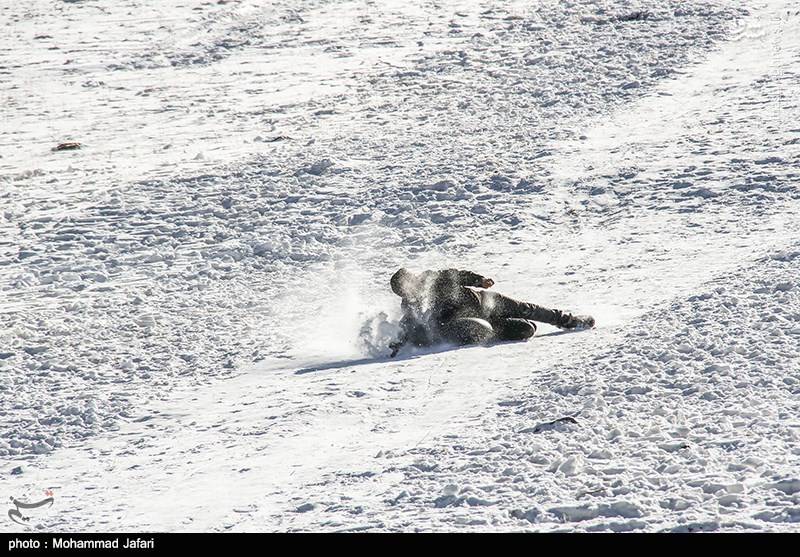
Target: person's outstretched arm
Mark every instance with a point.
(411, 332)
(402, 340)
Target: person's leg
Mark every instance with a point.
(497, 307)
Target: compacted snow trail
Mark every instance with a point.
(668, 217)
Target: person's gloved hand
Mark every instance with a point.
(487, 283)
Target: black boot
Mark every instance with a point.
(573, 322)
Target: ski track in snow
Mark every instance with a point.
(644, 171)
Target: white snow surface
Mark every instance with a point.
(182, 297)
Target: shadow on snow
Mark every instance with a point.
(418, 353)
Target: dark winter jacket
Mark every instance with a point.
(433, 298)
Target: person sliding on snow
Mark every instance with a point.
(457, 307)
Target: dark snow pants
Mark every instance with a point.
(486, 316)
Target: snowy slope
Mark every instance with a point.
(188, 228)
(287, 160)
